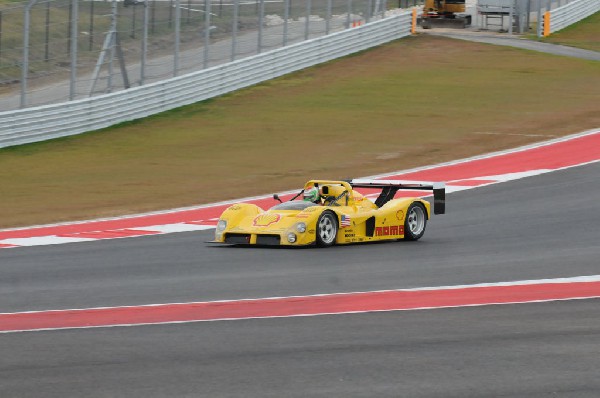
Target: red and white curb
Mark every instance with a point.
(426, 298)
(531, 160)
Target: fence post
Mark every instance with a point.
(91, 28)
(234, 27)
(539, 19)
(261, 13)
(349, 12)
(25, 63)
(74, 33)
(207, 9)
(413, 28)
(328, 17)
(511, 15)
(177, 38)
(144, 44)
(286, 15)
(47, 34)
(307, 24)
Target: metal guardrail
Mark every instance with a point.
(69, 118)
(561, 17)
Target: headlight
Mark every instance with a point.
(301, 227)
(291, 237)
(221, 225)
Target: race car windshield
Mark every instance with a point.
(295, 205)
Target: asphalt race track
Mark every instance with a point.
(535, 228)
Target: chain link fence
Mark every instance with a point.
(53, 51)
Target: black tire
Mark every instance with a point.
(327, 228)
(415, 222)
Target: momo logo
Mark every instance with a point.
(264, 220)
(391, 230)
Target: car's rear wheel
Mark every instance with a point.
(327, 228)
(415, 222)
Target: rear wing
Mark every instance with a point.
(390, 187)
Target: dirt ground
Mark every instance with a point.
(414, 102)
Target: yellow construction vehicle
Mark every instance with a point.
(445, 14)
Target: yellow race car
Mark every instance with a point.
(336, 213)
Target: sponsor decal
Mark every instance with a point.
(311, 209)
(266, 219)
(390, 230)
(311, 231)
(235, 207)
(349, 235)
(302, 215)
(400, 215)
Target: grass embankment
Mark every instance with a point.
(416, 101)
(584, 34)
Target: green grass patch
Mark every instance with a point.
(584, 34)
(413, 102)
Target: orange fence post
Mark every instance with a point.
(547, 23)
(413, 30)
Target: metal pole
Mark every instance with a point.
(286, 15)
(74, 33)
(113, 40)
(539, 19)
(25, 62)
(511, 14)
(153, 16)
(144, 45)
(177, 33)
(528, 16)
(47, 38)
(261, 13)
(328, 17)
(349, 12)
(307, 24)
(234, 28)
(206, 32)
(91, 24)
(69, 29)
(133, 21)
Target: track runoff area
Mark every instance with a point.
(571, 151)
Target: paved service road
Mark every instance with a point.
(533, 228)
(514, 41)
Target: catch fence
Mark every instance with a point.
(82, 115)
(53, 51)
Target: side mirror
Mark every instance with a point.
(276, 197)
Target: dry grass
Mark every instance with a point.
(416, 101)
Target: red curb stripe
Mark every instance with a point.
(553, 156)
(296, 306)
(121, 233)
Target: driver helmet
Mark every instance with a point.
(312, 195)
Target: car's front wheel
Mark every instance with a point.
(327, 228)
(416, 221)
